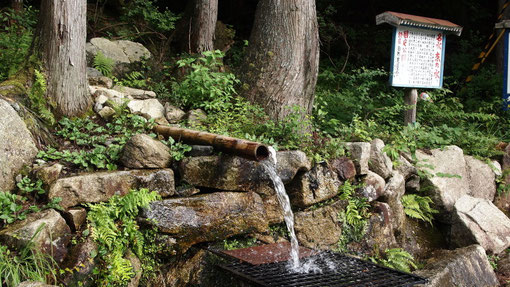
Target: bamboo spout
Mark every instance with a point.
(248, 149)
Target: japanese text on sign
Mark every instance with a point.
(417, 58)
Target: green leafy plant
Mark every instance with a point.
(10, 209)
(103, 64)
(236, 243)
(205, 86)
(177, 149)
(418, 207)
(26, 264)
(27, 186)
(134, 79)
(396, 258)
(114, 228)
(37, 98)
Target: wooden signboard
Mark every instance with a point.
(417, 58)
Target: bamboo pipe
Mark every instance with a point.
(248, 149)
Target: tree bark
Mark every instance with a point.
(282, 62)
(203, 25)
(60, 44)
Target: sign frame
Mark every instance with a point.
(393, 47)
(506, 76)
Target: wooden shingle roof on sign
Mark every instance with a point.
(401, 19)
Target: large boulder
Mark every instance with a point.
(150, 108)
(393, 192)
(344, 168)
(173, 114)
(290, 162)
(142, 151)
(48, 229)
(380, 231)
(479, 221)
(101, 186)
(419, 238)
(360, 154)
(135, 93)
(373, 186)
(316, 185)
(380, 162)
(482, 178)
(466, 266)
(17, 148)
(208, 217)
(446, 177)
(124, 54)
(405, 167)
(81, 263)
(181, 271)
(319, 228)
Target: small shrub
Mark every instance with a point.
(10, 209)
(103, 64)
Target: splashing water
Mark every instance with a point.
(283, 198)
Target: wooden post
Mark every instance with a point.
(410, 99)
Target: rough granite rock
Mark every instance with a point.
(405, 168)
(479, 221)
(53, 237)
(82, 264)
(142, 151)
(291, 162)
(373, 186)
(466, 266)
(135, 93)
(344, 168)
(316, 185)
(319, 228)
(448, 179)
(481, 179)
(17, 148)
(380, 162)
(75, 217)
(360, 154)
(208, 217)
(393, 192)
(49, 174)
(101, 186)
(150, 108)
(173, 114)
(101, 81)
(195, 117)
(182, 271)
(380, 232)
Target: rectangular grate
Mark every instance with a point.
(337, 270)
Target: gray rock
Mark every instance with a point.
(150, 109)
(447, 178)
(135, 93)
(201, 150)
(320, 228)
(186, 191)
(53, 236)
(101, 81)
(316, 185)
(196, 117)
(101, 186)
(75, 217)
(360, 154)
(173, 114)
(290, 162)
(479, 221)
(136, 264)
(49, 174)
(481, 179)
(405, 168)
(413, 184)
(133, 50)
(373, 187)
(34, 284)
(106, 113)
(101, 93)
(92, 73)
(379, 162)
(208, 217)
(142, 151)
(393, 192)
(17, 148)
(380, 231)
(466, 266)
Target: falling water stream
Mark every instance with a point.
(270, 166)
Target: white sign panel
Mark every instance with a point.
(417, 58)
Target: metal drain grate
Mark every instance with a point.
(337, 270)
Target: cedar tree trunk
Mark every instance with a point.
(281, 66)
(60, 44)
(202, 25)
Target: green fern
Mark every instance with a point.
(396, 258)
(418, 207)
(114, 228)
(135, 79)
(103, 64)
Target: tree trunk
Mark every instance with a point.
(281, 66)
(17, 5)
(60, 44)
(203, 25)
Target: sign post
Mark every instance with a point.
(417, 58)
(506, 72)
